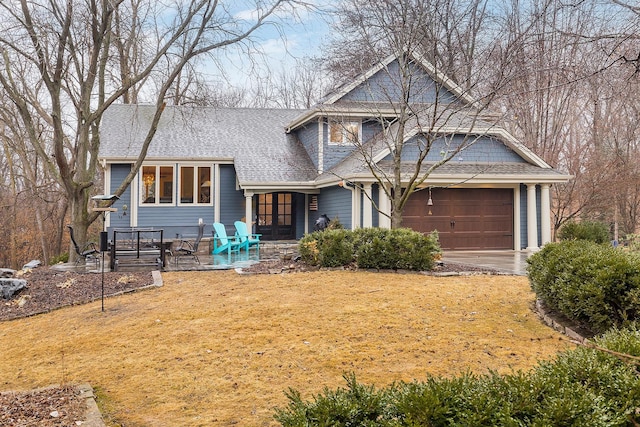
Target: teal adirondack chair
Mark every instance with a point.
(242, 233)
(222, 243)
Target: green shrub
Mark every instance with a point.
(633, 241)
(328, 248)
(582, 387)
(370, 248)
(596, 285)
(356, 405)
(335, 224)
(593, 231)
(60, 258)
(336, 248)
(396, 249)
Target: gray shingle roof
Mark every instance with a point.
(254, 139)
(507, 172)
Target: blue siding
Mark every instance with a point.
(308, 136)
(118, 174)
(523, 216)
(176, 221)
(335, 202)
(232, 201)
(376, 200)
(300, 215)
(370, 128)
(334, 154)
(484, 150)
(384, 87)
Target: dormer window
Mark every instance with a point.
(344, 132)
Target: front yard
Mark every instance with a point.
(218, 348)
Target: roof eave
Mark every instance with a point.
(266, 187)
(453, 179)
(148, 159)
(329, 111)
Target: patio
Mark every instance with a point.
(273, 250)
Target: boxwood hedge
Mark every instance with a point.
(581, 387)
(595, 285)
(371, 248)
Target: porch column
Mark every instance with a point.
(517, 209)
(248, 213)
(532, 220)
(385, 209)
(216, 192)
(545, 210)
(367, 207)
(356, 206)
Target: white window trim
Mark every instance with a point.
(195, 183)
(345, 138)
(156, 203)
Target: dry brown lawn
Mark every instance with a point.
(218, 348)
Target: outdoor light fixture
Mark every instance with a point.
(430, 202)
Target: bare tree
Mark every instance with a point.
(431, 120)
(301, 86)
(563, 94)
(70, 49)
(448, 31)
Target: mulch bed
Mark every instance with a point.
(49, 289)
(275, 267)
(49, 407)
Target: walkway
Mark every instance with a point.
(510, 262)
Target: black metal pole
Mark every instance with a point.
(103, 249)
(102, 281)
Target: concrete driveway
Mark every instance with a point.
(511, 262)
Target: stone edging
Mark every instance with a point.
(557, 324)
(93, 417)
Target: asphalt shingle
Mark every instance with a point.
(254, 139)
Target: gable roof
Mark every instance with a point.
(535, 168)
(329, 104)
(253, 139)
(436, 75)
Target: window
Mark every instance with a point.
(344, 132)
(156, 185)
(195, 184)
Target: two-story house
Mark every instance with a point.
(279, 169)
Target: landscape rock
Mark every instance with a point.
(9, 287)
(32, 264)
(7, 272)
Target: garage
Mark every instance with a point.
(465, 218)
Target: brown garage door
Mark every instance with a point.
(466, 218)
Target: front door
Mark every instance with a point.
(276, 216)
